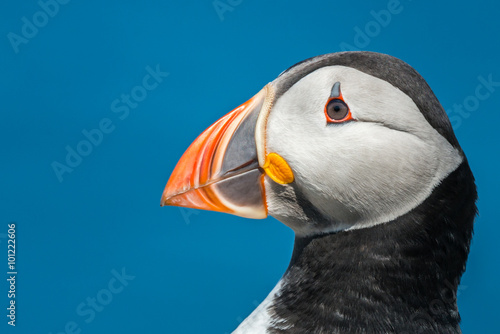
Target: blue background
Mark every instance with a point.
(195, 272)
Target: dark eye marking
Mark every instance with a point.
(336, 110)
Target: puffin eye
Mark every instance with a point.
(337, 110)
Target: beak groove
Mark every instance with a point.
(220, 169)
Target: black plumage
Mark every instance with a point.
(396, 277)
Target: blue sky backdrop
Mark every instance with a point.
(130, 84)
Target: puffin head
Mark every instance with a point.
(337, 142)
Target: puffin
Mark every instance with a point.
(353, 152)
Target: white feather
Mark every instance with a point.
(260, 319)
(360, 173)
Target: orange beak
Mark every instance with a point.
(220, 170)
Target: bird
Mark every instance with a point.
(354, 152)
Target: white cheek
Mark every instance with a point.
(364, 172)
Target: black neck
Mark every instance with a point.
(401, 276)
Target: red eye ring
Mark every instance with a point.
(337, 111)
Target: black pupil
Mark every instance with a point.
(337, 109)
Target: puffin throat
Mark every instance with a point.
(400, 276)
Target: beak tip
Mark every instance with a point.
(165, 199)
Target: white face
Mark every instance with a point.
(359, 173)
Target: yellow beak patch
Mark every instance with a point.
(278, 169)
